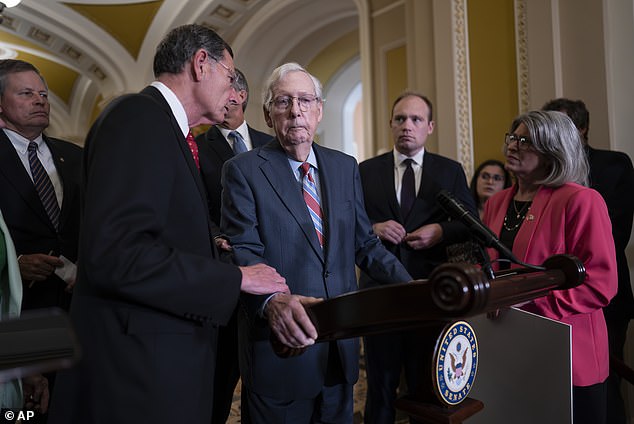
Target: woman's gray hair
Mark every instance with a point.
(279, 73)
(555, 136)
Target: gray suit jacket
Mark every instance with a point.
(266, 220)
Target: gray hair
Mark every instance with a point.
(279, 73)
(555, 136)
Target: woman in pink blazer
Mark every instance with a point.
(550, 211)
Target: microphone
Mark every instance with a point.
(456, 210)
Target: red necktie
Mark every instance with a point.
(312, 200)
(193, 147)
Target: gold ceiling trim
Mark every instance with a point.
(126, 23)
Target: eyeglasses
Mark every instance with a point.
(495, 177)
(282, 103)
(522, 141)
(232, 74)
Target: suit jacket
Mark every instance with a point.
(569, 219)
(150, 294)
(30, 227)
(612, 175)
(214, 151)
(377, 177)
(266, 219)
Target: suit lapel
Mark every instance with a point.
(526, 232)
(281, 178)
(386, 176)
(11, 166)
(67, 184)
(424, 204)
(219, 144)
(178, 137)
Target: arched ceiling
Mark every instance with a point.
(91, 51)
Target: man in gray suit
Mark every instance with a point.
(219, 144)
(298, 207)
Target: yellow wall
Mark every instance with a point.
(493, 74)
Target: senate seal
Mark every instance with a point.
(455, 361)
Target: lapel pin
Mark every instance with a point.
(530, 217)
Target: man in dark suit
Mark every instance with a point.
(298, 207)
(612, 175)
(151, 291)
(219, 144)
(39, 186)
(400, 189)
(40, 240)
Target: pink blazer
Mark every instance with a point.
(569, 219)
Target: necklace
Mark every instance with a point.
(519, 216)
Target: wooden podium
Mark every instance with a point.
(452, 293)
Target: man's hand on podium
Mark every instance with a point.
(290, 323)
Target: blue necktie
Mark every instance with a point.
(238, 142)
(312, 200)
(43, 185)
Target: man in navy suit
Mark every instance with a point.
(417, 234)
(39, 242)
(612, 175)
(219, 144)
(298, 207)
(151, 291)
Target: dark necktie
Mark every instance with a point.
(312, 200)
(43, 185)
(238, 142)
(193, 147)
(408, 188)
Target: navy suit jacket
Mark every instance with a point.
(150, 293)
(377, 177)
(612, 175)
(214, 151)
(266, 219)
(29, 225)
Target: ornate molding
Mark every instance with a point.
(464, 131)
(521, 45)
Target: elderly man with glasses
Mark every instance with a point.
(298, 206)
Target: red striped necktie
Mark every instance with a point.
(312, 200)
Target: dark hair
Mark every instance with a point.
(473, 186)
(180, 45)
(575, 109)
(13, 66)
(241, 84)
(420, 96)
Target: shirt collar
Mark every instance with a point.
(417, 158)
(243, 129)
(177, 107)
(20, 143)
(312, 160)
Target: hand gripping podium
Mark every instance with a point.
(436, 308)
